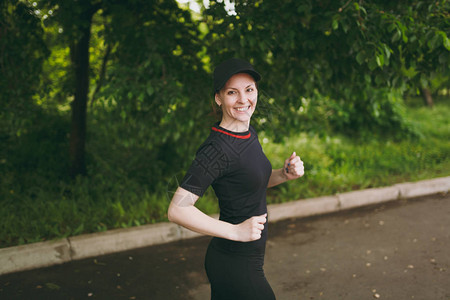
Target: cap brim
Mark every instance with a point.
(256, 76)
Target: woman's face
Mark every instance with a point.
(238, 99)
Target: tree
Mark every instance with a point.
(156, 89)
(75, 18)
(420, 43)
(22, 53)
(343, 63)
(327, 65)
(152, 52)
(80, 59)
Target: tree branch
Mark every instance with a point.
(345, 5)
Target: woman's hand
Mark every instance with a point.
(293, 167)
(250, 229)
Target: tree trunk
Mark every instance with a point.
(426, 94)
(80, 62)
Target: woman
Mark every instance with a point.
(232, 161)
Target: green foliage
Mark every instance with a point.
(22, 53)
(144, 85)
(156, 91)
(359, 56)
(334, 77)
(56, 77)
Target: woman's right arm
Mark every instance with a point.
(183, 212)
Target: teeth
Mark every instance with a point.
(242, 108)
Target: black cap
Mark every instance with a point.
(228, 68)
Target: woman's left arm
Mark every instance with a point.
(293, 169)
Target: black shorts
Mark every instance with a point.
(237, 276)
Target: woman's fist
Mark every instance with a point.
(293, 167)
(250, 229)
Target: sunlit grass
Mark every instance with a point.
(339, 164)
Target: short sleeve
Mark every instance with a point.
(209, 164)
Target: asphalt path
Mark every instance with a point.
(397, 250)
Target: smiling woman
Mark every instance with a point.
(238, 100)
(231, 160)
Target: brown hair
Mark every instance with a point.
(216, 111)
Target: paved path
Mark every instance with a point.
(398, 251)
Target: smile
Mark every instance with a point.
(242, 108)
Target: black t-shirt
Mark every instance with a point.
(234, 164)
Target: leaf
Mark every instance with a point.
(434, 42)
(363, 10)
(387, 50)
(335, 24)
(445, 40)
(10, 9)
(396, 36)
(447, 43)
(391, 27)
(403, 29)
(360, 57)
(404, 37)
(376, 109)
(380, 60)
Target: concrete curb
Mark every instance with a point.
(37, 255)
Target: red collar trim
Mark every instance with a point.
(233, 135)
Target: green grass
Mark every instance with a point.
(340, 164)
(49, 209)
(84, 207)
